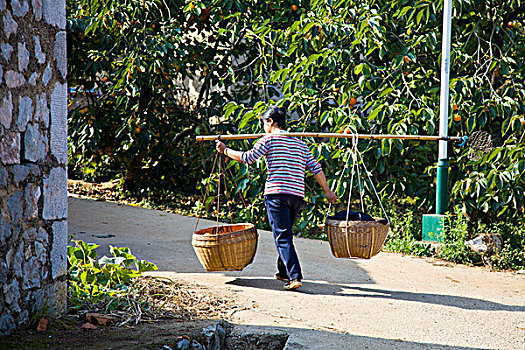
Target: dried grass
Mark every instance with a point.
(156, 298)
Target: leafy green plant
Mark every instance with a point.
(405, 227)
(455, 236)
(512, 254)
(93, 280)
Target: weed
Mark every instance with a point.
(93, 280)
(454, 247)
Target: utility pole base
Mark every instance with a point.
(433, 228)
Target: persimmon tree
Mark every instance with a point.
(370, 66)
(142, 73)
(375, 67)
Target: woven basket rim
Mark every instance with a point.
(240, 226)
(342, 223)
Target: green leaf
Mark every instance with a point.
(419, 16)
(471, 123)
(362, 81)
(506, 126)
(144, 266)
(385, 92)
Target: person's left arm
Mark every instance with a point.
(329, 194)
(319, 176)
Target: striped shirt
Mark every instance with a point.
(287, 159)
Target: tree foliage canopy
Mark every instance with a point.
(371, 66)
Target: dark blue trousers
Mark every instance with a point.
(282, 211)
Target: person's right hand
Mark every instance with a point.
(220, 146)
(331, 196)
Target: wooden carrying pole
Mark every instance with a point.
(329, 135)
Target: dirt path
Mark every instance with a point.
(388, 302)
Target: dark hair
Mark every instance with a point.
(277, 114)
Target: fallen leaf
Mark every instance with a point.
(88, 325)
(42, 325)
(453, 280)
(100, 319)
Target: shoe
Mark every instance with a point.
(293, 284)
(281, 278)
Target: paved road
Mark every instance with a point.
(388, 302)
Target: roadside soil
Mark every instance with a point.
(160, 314)
(67, 333)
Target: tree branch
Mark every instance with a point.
(210, 73)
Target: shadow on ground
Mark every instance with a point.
(241, 336)
(325, 288)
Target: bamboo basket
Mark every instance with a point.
(225, 247)
(358, 239)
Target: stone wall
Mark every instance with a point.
(33, 157)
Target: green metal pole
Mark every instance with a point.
(442, 187)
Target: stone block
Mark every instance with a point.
(42, 236)
(56, 294)
(54, 12)
(36, 143)
(7, 323)
(58, 130)
(7, 50)
(10, 25)
(34, 170)
(42, 110)
(3, 176)
(16, 233)
(33, 78)
(14, 79)
(30, 234)
(36, 299)
(60, 53)
(23, 317)
(20, 173)
(12, 293)
(25, 112)
(48, 74)
(59, 249)
(6, 230)
(14, 205)
(10, 148)
(3, 272)
(28, 252)
(23, 57)
(37, 9)
(32, 195)
(40, 56)
(40, 252)
(18, 259)
(31, 278)
(20, 8)
(9, 258)
(6, 111)
(55, 195)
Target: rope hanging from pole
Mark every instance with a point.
(222, 168)
(356, 156)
